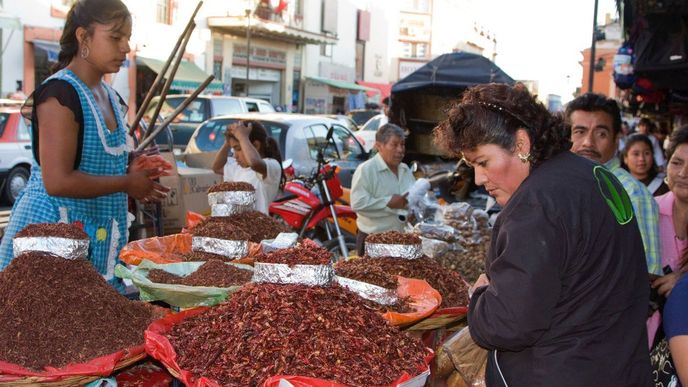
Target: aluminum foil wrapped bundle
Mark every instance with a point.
(228, 203)
(226, 247)
(67, 248)
(229, 209)
(280, 273)
(368, 291)
(375, 250)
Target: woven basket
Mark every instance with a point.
(442, 318)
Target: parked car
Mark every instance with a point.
(360, 116)
(346, 121)
(201, 109)
(15, 152)
(298, 136)
(366, 134)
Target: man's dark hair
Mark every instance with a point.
(591, 102)
(385, 101)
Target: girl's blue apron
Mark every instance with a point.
(104, 218)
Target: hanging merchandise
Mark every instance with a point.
(623, 67)
(661, 51)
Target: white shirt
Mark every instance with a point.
(266, 187)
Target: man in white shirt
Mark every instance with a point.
(380, 186)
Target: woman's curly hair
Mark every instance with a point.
(493, 113)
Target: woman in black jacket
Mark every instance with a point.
(565, 297)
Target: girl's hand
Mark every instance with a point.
(240, 129)
(666, 283)
(141, 186)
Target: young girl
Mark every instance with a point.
(637, 158)
(256, 160)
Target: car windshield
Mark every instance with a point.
(347, 148)
(4, 117)
(372, 124)
(361, 116)
(195, 113)
(211, 135)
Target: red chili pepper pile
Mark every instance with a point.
(393, 238)
(212, 273)
(62, 230)
(231, 186)
(55, 311)
(302, 254)
(448, 282)
(267, 329)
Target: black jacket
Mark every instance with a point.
(568, 294)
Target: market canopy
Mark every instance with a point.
(188, 76)
(341, 84)
(455, 70)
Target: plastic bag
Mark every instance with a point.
(468, 358)
(176, 295)
(160, 348)
(424, 300)
(165, 249)
(434, 248)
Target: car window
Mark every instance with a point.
(373, 124)
(345, 145)
(266, 107)
(251, 107)
(211, 135)
(226, 106)
(195, 113)
(23, 131)
(4, 117)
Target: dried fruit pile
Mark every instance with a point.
(220, 229)
(371, 274)
(231, 186)
(62, 230)
(393, 238)
(212, 273)
(258, 225)
(57, 311)
(302, 254)
(267, 329)
(449, 283)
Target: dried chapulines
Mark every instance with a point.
(57, 311)
(393, 238)
(219, 228)
(258, 225)
(202, 256)
(62, 230)
(232, 186)
(268, 329)
(212, 273)
(449, 283)
(371, 274)
(302, 254)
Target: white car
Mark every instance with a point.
(15, 152)
(366, 134)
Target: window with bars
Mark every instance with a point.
(163, 11)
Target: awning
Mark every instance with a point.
(237, 25)
(188, 76)
(340, 84)
(52, 49)
(385, 89)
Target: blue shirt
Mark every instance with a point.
(676, 310)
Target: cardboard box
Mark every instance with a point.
(199, 160)
(188, 192)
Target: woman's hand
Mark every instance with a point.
(156, 163)
(480, 282)
(142, 187)
(665, 283)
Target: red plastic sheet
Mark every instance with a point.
(100, 366)
(160, 348)
(424, 299)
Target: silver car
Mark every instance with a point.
(298, 136)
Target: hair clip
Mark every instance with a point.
(504, 110)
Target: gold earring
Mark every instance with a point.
(525, 157)
(84, 52)
(666, 180)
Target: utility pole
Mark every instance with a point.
(591, 70)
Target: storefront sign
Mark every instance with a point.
(407, 67)
(260, 56)
(337, 72)
(257, 74)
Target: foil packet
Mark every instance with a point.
(66, 248)
(279, 273)
(229, 209)
(228, 248)
(368, 291)
(375, 250)
(241, 198)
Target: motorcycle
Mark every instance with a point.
(310, 207)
